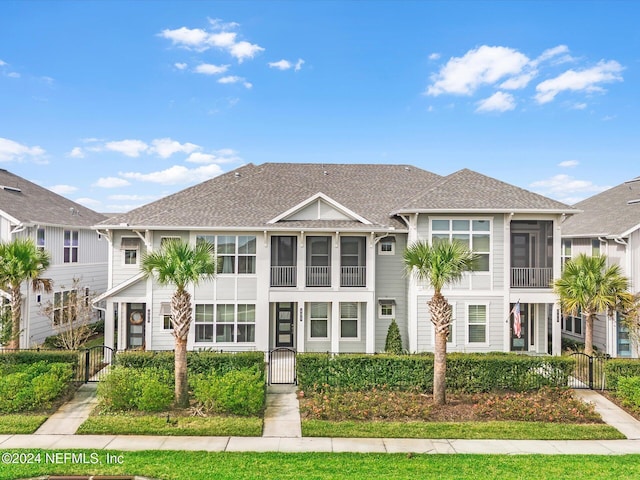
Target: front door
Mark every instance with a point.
(284, 325)
(520, 344)
(135, 325)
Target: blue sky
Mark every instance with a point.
(115, 104)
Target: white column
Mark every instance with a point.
(301, 263)
(335, 262)
(300, 326)
(109, 325)
(412, 293)
(556, 333)
(370, 330)
(335, 327)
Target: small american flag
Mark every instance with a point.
(517, 320)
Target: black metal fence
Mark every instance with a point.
(282, 366)
(589, 372)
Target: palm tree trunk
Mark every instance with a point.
(181, 312)
(182, 386)
(588, 334)
(16, 314)
(441, 317)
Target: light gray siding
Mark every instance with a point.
(391, 283)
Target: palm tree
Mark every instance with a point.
(439, 264)
(180, 264)
(588, 285)
(21, 261)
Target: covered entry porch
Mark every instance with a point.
(322, 321)
(539, 331)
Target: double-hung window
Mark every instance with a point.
(477, 323)
(204, 323)
(65, 306)
(349, 320)
(246, 331)
(40, 239)
(235, 254)
(566, 251)
(225, 323)
(319, 321)
(130, 247)
(475, 234)
(70, 246)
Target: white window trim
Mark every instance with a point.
(44, 239)
(308, 313)
(486, 323)
(388, 242)
(236, 255)
(393, 307)
(470, 232)
(358, 323)
(138, 250)
(71, 246)
(216, 323)
(452, 328)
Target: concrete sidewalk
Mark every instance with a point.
(282, 412)
(72, 414)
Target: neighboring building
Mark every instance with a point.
(609, 225)
(62, 228)
(311, 257)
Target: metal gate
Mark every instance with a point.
(588, 372)
(95, 363)
(282, 367)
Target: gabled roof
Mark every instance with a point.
(469, 191)
(28, 203)
(614, 212)
(253, 195)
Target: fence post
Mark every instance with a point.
(86, 366)
(590, 373)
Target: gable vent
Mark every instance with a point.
(633, 202)
(11, 189)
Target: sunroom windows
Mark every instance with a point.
(225, 323)
(475, 234)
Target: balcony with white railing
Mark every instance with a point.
(283, 276)
(353, 276)
(531, 277)
(318, 276)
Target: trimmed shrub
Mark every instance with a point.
(134, 389)
(618, 368)
(27, 357)
(629, 392)
(239, 392)
(25, 388)
(393, 343)
(468, 373)
(197, 362)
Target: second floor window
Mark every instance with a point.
(70, 246)
(475, 234)
(40, 239)
(235, 254)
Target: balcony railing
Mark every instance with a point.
(531, 277)
(283, 276)
(318, 276)
(353, 276)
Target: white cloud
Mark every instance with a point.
(243, 50)
(281, 64)
(180, 66)
(235, 79)
(210, 69)
(520, 81)
(111, 182)
(434, 56)
(550, 53)
(76, 152)
(177, 174)
(11, 151)
(89, 202)
(13, 75)
(165, 147)
(133, 198)
(299, 64)
(201, 40)
(2, 63)
(569, 163)
(498, 102)
(579, 106)
(566, 188)
(130, 148)
(62, 189)
(483, 66)
(588, 80)
(224, 155)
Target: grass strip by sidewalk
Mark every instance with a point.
(174, 465)
(463, 430)
(23, 423)
(154, 425)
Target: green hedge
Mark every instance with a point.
(471, 373)
(28, 357)
(197, 362)
(617, 368)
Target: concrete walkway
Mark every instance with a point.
(72, 414)
(282, 433)
(282, 412)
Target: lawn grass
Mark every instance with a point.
(23, 423)
(173, 465)
(121, 424)
(464, 430)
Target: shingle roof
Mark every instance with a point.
(469, 190)
(251, 196)
(31, 203)
(608, 213)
